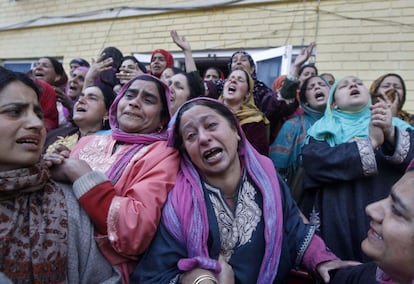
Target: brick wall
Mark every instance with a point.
(363, 38)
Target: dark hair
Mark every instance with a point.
(215, 105)
(133, 58)
(377, 83)
(59, 70)
(109, 76)
(250, 58)
(115, 54)
(108, 94)
(302, 91)
(165, 112)
(327, 74)
(311, 65)
(195, 84)
(8, 76)
(80, 62)
(219, 72)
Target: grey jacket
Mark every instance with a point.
(85, 262)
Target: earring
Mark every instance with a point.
(104, 120)
(159, 129)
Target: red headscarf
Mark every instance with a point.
(168, 56)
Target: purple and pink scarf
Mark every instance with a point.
(185, 213)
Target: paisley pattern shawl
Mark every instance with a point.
(33, 227)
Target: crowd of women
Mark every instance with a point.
(135, 174)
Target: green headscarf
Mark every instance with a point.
(337, 126)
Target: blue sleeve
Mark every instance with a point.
(159, 263)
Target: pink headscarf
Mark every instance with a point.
(122, 136)
(185, 213)
(139, 140)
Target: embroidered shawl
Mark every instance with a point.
(185, 212)
(33, 227)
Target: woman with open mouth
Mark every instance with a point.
(122, 178)
(90, 116)
(229, 219)
(45, 235)
(238, 96)
(354, 154)
(286, 149)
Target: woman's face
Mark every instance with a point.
(306, 73)
(329, 78)
(45, 71)
(76, 80)
(211, 75)
(21, 126)
(129, 66)
(391, 82)
(158, 64)
(166, 75)
(90, 110)
(180, 91)
(210, 142)
(72, 67)
(139, 110)
(241, 60)
(236, 88)
(317, 92)
(390, 240)
(351, 94)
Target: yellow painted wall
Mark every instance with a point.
(363, 38)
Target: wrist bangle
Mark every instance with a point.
(203, 277)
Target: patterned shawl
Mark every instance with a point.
(185, 213)
(337, 127)
(33, 227)
(138, 140)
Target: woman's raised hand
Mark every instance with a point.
(304, 54)
(180, 42)
(381, 117)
